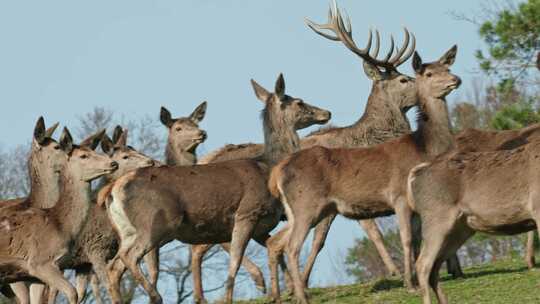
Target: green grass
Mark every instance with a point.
(505, 282)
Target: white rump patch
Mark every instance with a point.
(118, 216)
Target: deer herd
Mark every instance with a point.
(454, 185)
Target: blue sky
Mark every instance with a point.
(61, 58)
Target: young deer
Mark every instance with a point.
(43, 166)
(97, 242)
(464, 192)
(24, 256)
(215, 203)
(369, 182)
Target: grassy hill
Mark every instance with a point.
(501, 282)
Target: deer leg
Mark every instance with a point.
(197, 253)
(298, 234)
(21, 292)
(242, 232)
(131, 256)
(275, 246)
(374, 234)
(254, 272)
(53, 277)
(454, 267)
(151, 259)
(51, 295)
(81, 280)
(94, 282)
(404, 216)
(37, 290)
(115, 270)
(529, 257)
(321, 232)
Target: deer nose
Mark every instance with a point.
(203, 134)
(457, 80)
(114, 165)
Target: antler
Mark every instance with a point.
(343, 33)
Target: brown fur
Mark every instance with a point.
(24, 255)
(366, 182)
(212, 203)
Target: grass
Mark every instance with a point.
(506, 282)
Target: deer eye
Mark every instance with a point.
(403, 80)
(125, 157)
(84, 156)
(179, 129)
(428, 74)
(57, 147)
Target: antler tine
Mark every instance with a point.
(375, 52)
(317, 29)
(391, 50)
(399, 57)
(409, 52)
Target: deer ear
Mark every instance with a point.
(50, 131)
(417, 63)
(117, 133)
(372, 72)
(92, 141)
(165, 117)
(39, 131)
(107, 145)
(198, 114)
(261, 93)
(122, 139)
(280, 86)
(449, 57)
(66, 141)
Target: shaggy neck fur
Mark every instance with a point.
(433, 132)
(280, 139)
(179, 157)
(71, 210)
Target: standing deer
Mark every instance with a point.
(184, 137)
(97, 242)
(24, 256)
(464, 192)
(43, 167)
(392, 95)
(369, 182)
(214, 203)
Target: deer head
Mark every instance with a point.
(83, 163)
(184, 132)
(125, 156)
(45, 155)
(383, 71)
(434, 80)
(290, 111)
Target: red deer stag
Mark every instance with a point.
(24, 256)
(215, 203)
(392, 95)
(365, 182)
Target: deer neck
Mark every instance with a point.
(434, 131)
(280, 139)
(179, 157)
(44, 184)
(382, 117)
(73, 206)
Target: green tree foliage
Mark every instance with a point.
(512, 37)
